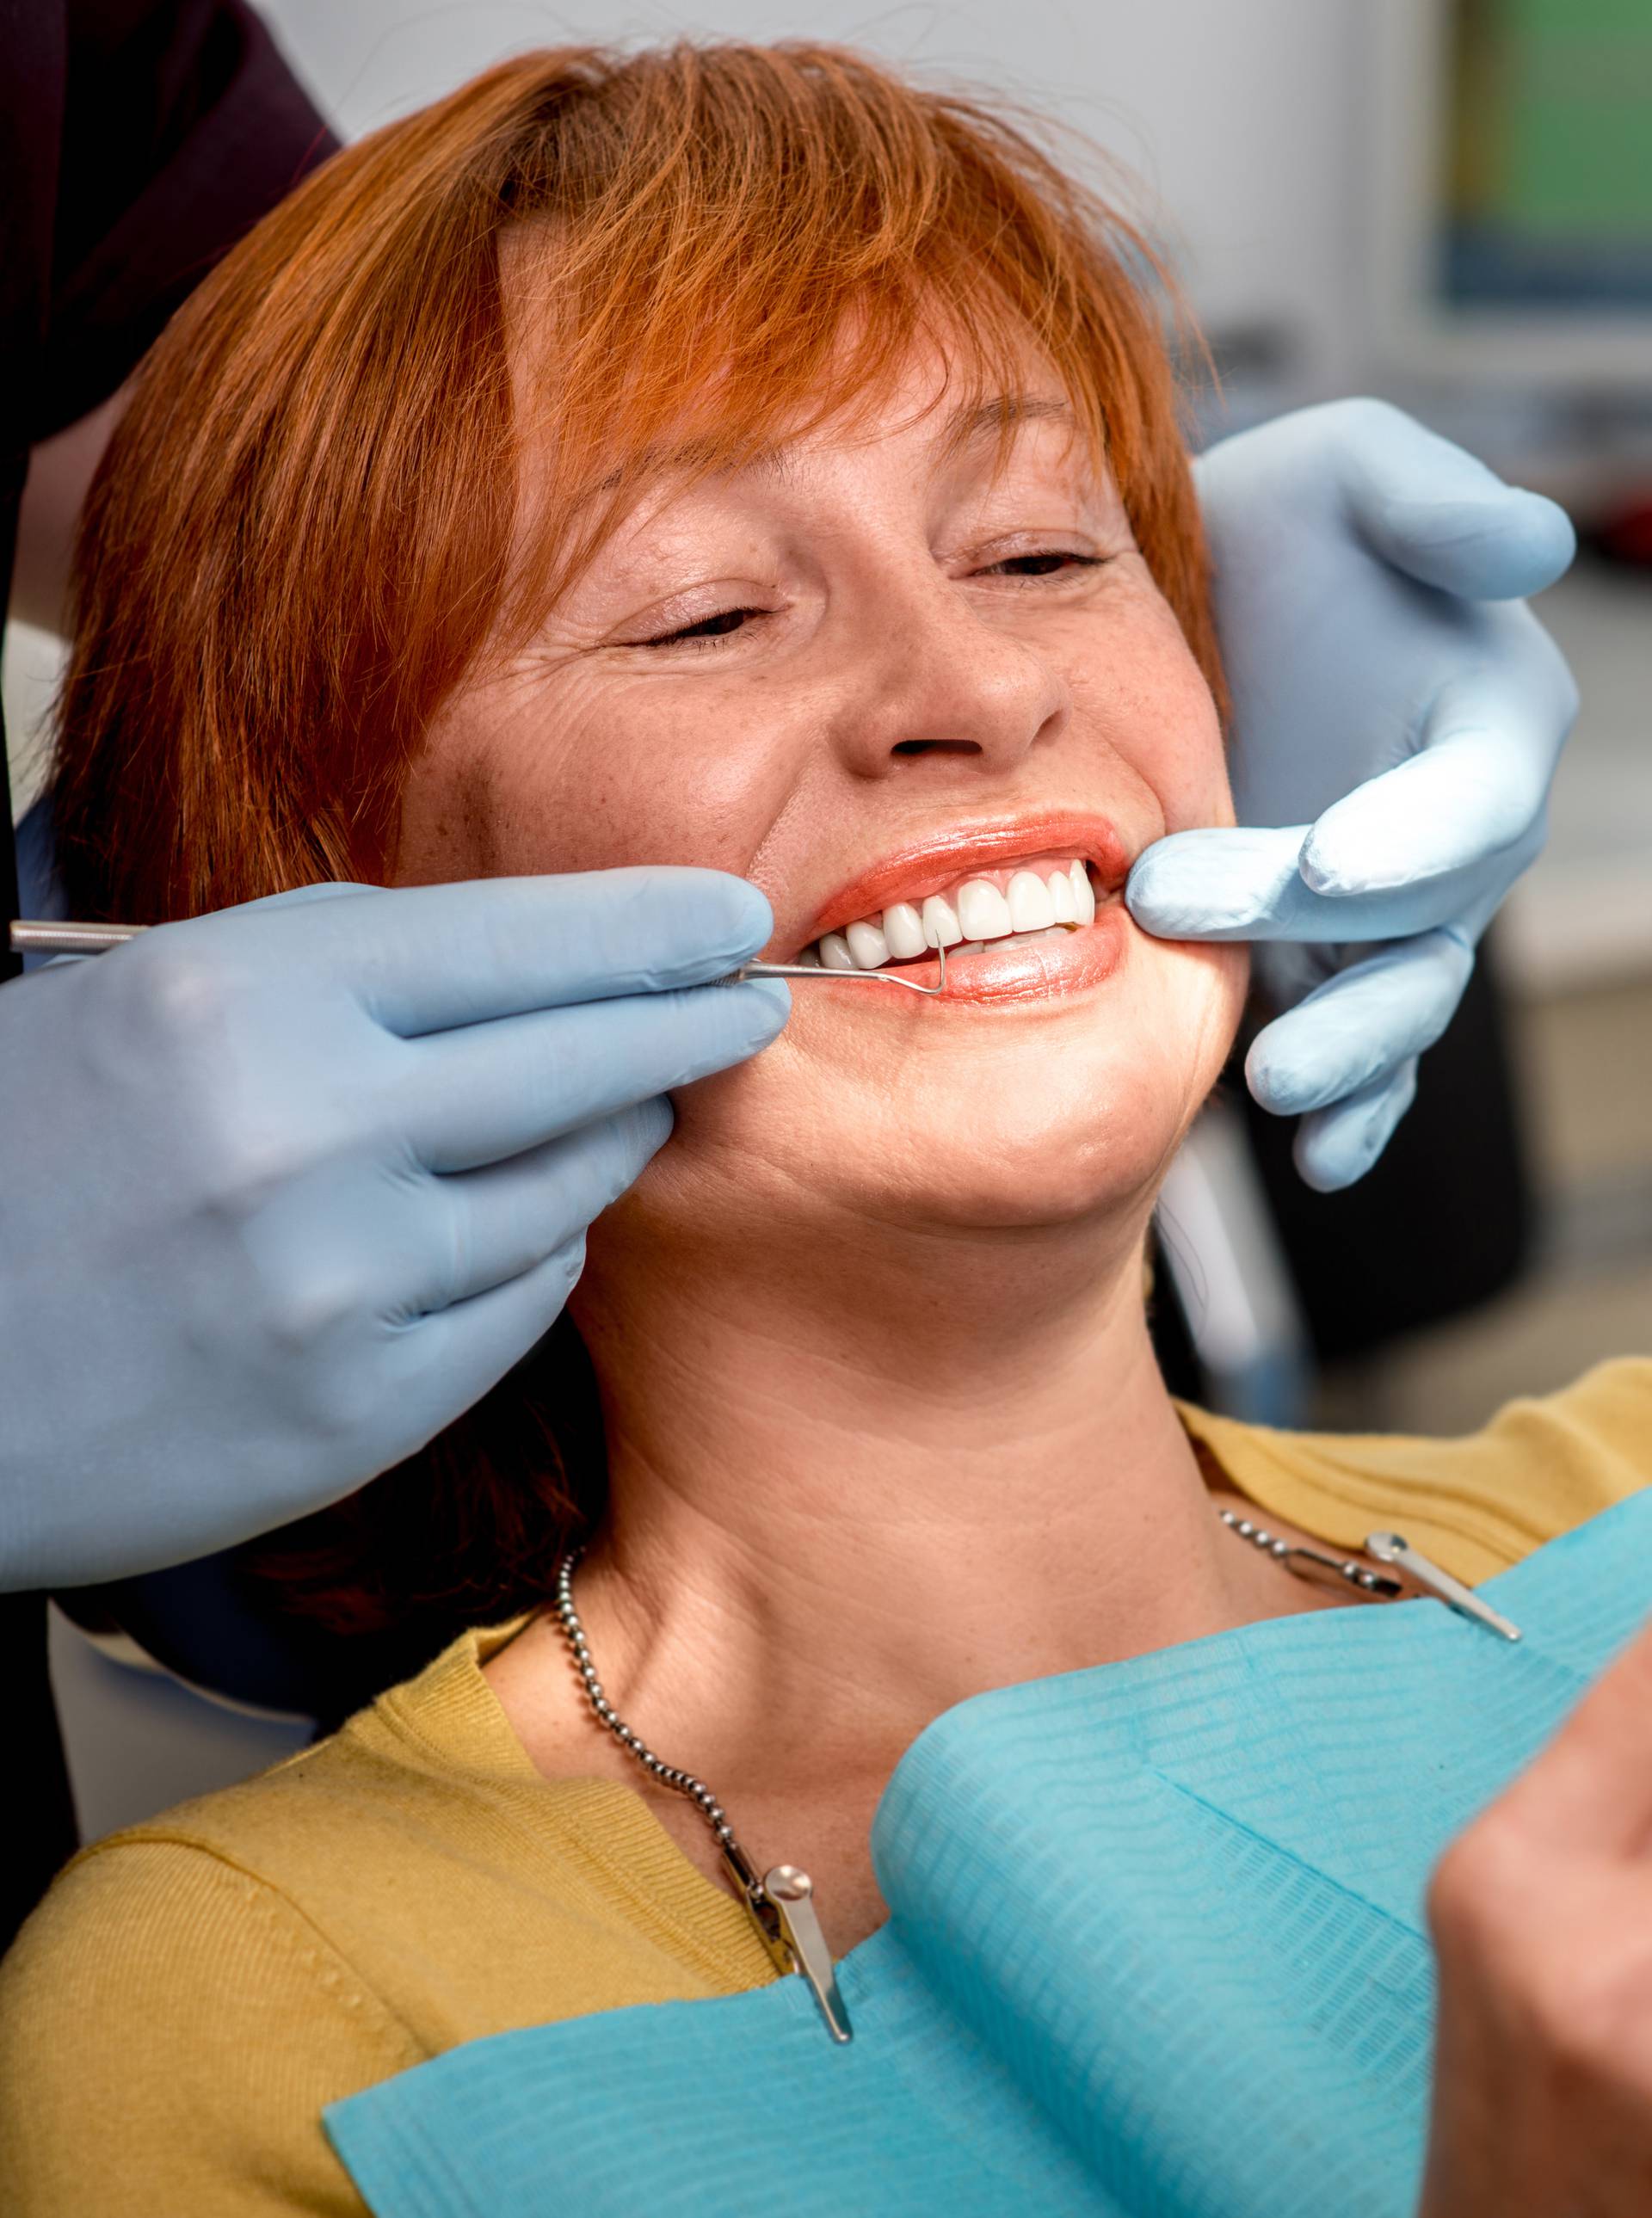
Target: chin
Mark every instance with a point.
(1039, 1163)
(1079, 1119)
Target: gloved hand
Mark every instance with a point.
(1397, 715)
(286, 1188)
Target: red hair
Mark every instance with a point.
(309, 525)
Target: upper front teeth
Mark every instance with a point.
(940, 922)
(983, 913)
(1033, 901)
(903, 931)
(868, 944)
(1032, 905)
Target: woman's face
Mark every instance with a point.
(901, 686)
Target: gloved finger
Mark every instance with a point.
(1477, 787)
(449, 1360)
(487, 1092)
(1234, 883)
(495, 1224)
(1443, 518)
(1361, 1026)
(424, 958)
(301, 896)
(1335, 1147)
(1247, 884)
(213, 921)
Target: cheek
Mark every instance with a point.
(522, 775)
(1148, 700)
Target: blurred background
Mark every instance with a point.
(1444, 202)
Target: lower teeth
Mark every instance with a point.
(1009, 939)
(1032, 939)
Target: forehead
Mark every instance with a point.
(583, 477)
(987, 429)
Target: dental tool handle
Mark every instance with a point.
(42, 936)
(39, 936)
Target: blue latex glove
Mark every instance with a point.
(287, 1189)
(1397, 716)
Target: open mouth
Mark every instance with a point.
(1037, 898)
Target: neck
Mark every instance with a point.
(844, 1496)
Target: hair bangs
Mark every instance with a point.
(756, 240)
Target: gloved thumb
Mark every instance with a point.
(1443, 518)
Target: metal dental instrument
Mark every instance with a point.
(820, 970)
(39, 936)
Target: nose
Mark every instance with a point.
(937, 676)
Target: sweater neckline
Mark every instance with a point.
(450, 1710)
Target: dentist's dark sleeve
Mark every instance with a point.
(137, 142)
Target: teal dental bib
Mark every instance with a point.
(1155, 1949)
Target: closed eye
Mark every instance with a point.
(704, 630)
(1048, 564)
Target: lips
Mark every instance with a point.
(1026, 967)
(1028, 908)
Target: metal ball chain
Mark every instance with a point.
(780, 1900)
(1356, 1575)
(685, 1782)
(695, 1790)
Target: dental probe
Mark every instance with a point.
(38, 935)
(820, 970)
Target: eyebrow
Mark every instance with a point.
(1004, 412)
(966, 426)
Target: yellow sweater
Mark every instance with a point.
(192, 1991)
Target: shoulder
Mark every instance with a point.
(170, 2028)
(212, 1978)
(1543, 1466)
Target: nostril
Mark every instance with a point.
(936, 746)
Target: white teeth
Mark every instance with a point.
(983, 913)
(940, 923)
(1036, 904)
(1031, 907)
(810, 958)
(868, 946)
(903, 928)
